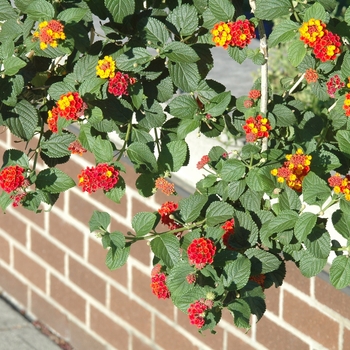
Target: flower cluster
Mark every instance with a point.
(254, 94)
(340, 184)
(294, 169)
(165, 186)
(11, 178)
(204, 161)
(70, 106)
(256, 128)
(49, 32)
(158, 279)
(259, 279)
(76, 148)
(101, 176)
(311, 75)
(325, 44)
(106, 68)
(228, 226)
(196, 311)
(165, 212)
(346, 105)
(201, 252)
(333, 85)
(239, 33)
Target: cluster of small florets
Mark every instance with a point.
(158, 280)
(311, 75)
(201, 252)
(239, 33)
(333, 85)
(256, 128)
(340, 184)
(165, 211)
(259, 279)
(346, 105)
(118, 82)
(49, 33)
(325, 44)
(196, 311)
(293, 170)
(253, 95)
(165, 186)
(102, 176)
(204, 161)
(228, 226)
(76, 147)
(11, 178)
(70, 106)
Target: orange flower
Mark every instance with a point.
(165, 186)
(256, 128)
(49, 33)
(340, 184)
(311, 75)
(346, 105)
(311, 30)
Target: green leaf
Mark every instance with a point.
(12, 65)
(58, 89)
(315, 190)
(91, 86)
(183, 301)
(140, 153)
(7, 11)
(173, 155)
(185, 75)
(183, 106)
(289, 199)
(272, 9)
(103, 150)
(5, 199)
(185, 18)
(241, 313)
(283, 32)
(347, 15)
(179, 52)
(10, 88)
(235, 189)
(341, 222)
(232, 170)
(284, 115)
(251, 200)
(118, 239)
(309, 265)
(339, 273)
(316, 11)
(223, 10)
(15, 157)
(343, 138)
(116, 258)
(99, 220)
(56, 146)
(40, 10)
(120, 9)
(254, 296)
(236, 273)
(284, 221)
(134, 60)
(116, 193)
(152, 115)
(238, 54)
(54, 180)
(167, 248)
(218, 212)
(191, 207)
(304, 225)
(296, 52)
(318, 242)
(84, 69)
(143, 223)
(262, 261)
(156, 32)
(218, 104)
(72, 14)
(176, 280)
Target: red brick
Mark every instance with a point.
(87, 280)
(140, 206)
(47, 251)
(49, 315)
(167, 337)
(335, 299)
(315, 324)
(272, 336)
(141, 251)
(14, 287)
(130, 311)
(236, 343)
(81, 339)
(35, 273)
(97, 257)
(296, 279)
(68, 298)
(36, 218)
(141, 287)
(66, 233)
(4, 250)
(108, 329)
(272, 299)
(346, 338)
(138, 344)
(14, 227)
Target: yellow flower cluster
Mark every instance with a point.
(49, 32)
(106, 68)
(222, 34)
(311, 30)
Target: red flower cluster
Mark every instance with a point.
(49, 32)
(333, 84)
(256, 128)
(340, 184)
(191, 278)
(201, 252)
(311, 76)
(196, 312)
(101, 176)
(228, 226)
(165, 186)
(11, 178)
(204, 161)
(158, 279)
(239, 33)
(259, 279)
(325, 44)
(346, 105)
(293, 170)
(165, 211)
(254, 94)
(118, 85)
(70, 106)
(76, 148)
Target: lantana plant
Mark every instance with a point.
(76, 73)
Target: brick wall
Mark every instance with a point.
(54, 269)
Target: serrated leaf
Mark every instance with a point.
(91, 86)
(99, 219)
(85, 68)
(176, 280)
(347, 15)
(143, 223)
(134, 60)
(72, 14)
(179, 52)
(103, 150)
(191, 207)
(173, 155)
(116, 258)
(316, 11)
(167, 248)
(218, 104)
(152, 115)
(223, 10)
(304, 225)
(140, 153)
(238, 54)
(10, 88)
(283, 32)
(156, 32)
(285, 220)
(12, 65)
(7, 11)
(56, 146)
(5, 200)
(183, 301)
(272, 9)
(236, 273)
(53, 180)
(15, 157)
(289, 199)
(341, 222)
(58, 89)
(40, 10)
(309, 265)
(315, 190)
(251, 200)
(183, 106)
(118, 239)
(184, 75)
(120, 9)
(284, 115)
(116, 193)
(343, 138)
(235, 189)
(296, 52)
(262, 261)
(318, 243)
(339, 273)
(185, 18)
(218, 212)
(232, 170)
(241, 313)
(255, 298)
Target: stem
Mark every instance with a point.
(294, 86)
(157, 140)
(185, 228)
(340, 249)
(128, 133)
(36, 154)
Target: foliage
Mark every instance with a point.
(142, 75)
